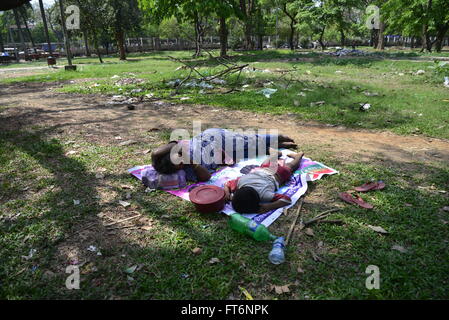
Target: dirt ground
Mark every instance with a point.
(91, 115)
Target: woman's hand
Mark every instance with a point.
(227, 194)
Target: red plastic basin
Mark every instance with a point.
(208, 199)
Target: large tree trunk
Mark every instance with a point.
(223, 37)
(426, 43)
(249, 44)
(120, 38)
(44, 21)
(381, 36)
(374, 38)
(440, 37)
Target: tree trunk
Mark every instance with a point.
(223, 37)
(157, 43)
(97, 49)
(440, 37)
(19, 28)
(425, 39)
(381, 36)
(2, 45)
(44, 21)
(412, 43)
(66, 34)
(374, 38)
(320, 40)
(198, 37)
(86, 44)
(120, 38)
(25, 20)
(292, 35)
(249, 45)
(342, 38)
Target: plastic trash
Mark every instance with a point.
(250, 228)
(446, 82)
(268, 92)
(365, 106)
(277, 255)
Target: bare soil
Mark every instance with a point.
(40, 105)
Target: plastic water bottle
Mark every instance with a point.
(251, 228)
(277, 255)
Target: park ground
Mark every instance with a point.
(65, 150)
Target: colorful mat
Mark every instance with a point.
(309, 170)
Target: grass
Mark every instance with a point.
(403, 103)
(39, 180)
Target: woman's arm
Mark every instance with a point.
(162, 151)
(202, 173)
(267, 207)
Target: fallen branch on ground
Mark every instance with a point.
(120, 221)
(294, 221)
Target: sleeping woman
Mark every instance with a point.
(204, 153)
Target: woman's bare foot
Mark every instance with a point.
(283, 138)
(288, 145)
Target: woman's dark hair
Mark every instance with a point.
(246, 200)
(164, 165)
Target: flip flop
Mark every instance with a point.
(358, 201)
(379, 185)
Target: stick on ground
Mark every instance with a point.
(294, 221)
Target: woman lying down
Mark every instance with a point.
(204, 153)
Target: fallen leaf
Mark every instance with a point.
(399, 248)
(408, 205)
(197, 251)
(316, 258)
(146, 151)
(214, 260)
(124, 203)
(127, 143)
(70, 153)
(99, 176)
(309, 232)
(76, 202)
(131, 269)
(378, 229)
(300, 270)
(281, 289)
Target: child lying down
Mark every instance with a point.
(255, 192)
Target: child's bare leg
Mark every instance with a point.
(294, 165)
